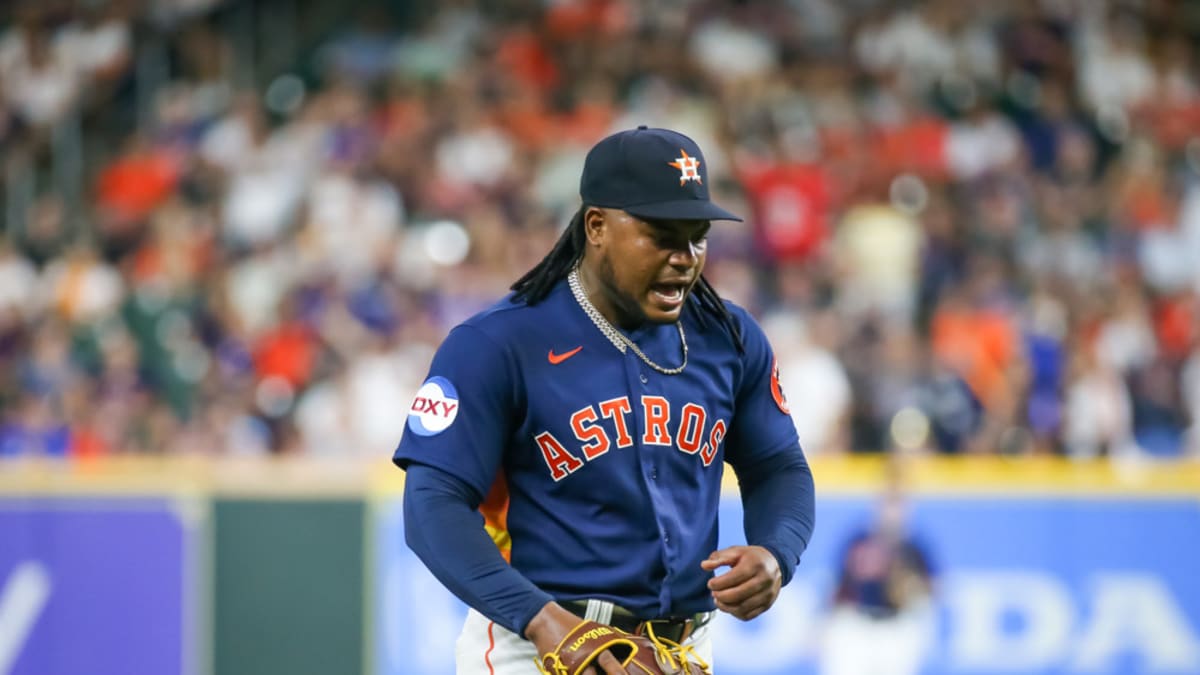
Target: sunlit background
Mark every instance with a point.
(233, 232)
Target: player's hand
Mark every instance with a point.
(750, 586)
(551, 624)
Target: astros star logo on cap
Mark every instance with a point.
(689, 167)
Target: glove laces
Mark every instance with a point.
(673, 654)
(557, 667)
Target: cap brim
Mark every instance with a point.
(683, 209)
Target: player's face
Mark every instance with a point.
(645, 269)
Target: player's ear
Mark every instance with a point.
(594, 224)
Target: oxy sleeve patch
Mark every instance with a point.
(434, 408)
(777, 389)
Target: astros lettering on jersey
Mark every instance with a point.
(584, 457)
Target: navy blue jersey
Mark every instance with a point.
(599, 477)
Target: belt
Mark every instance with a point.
(674, 628)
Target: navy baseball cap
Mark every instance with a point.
(650, 173)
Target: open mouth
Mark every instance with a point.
(670, 295)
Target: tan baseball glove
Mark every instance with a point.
(649, 655)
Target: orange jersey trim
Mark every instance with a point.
(495, 517)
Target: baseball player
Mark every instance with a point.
(564, 456)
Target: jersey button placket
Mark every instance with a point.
(650, 473)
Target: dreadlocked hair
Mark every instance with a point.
(708, 300)
(536, 284)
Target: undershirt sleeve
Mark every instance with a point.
(779, 506)
(444, 529)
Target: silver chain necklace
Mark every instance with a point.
(619, 339)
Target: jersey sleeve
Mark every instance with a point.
(762, 424)
(461, 417)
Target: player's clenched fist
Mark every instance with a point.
(750, 586)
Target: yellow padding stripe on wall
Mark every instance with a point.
(285, 478)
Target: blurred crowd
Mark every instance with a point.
(971, 227)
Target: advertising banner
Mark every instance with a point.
(1031, 586)
(1035, 586)
(103, 587)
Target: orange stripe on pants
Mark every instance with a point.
(487, 656)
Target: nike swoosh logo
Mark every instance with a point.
(556, 359)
